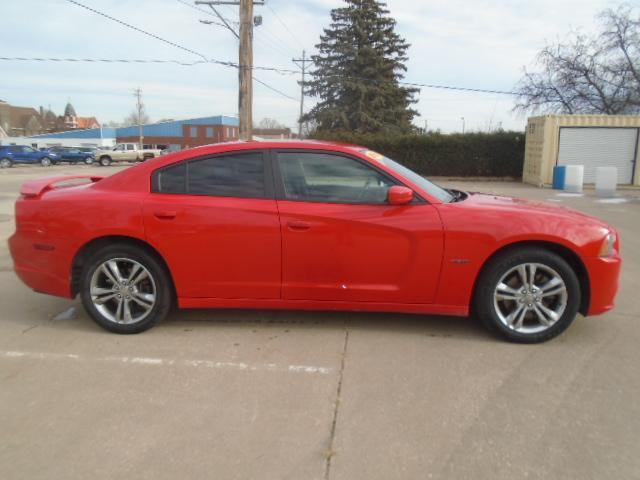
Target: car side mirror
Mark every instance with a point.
(399, 195)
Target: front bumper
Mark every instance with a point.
(604, 274)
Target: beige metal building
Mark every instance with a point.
(589, 140)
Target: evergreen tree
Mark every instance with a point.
(357, 70)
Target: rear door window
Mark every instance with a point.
(237, 175)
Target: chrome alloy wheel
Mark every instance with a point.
(530, 298)
(123, 290)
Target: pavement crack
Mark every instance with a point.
(336, 406)
(29, 328)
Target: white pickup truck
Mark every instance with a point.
(125, 152)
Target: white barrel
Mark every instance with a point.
(606, 181)
(574, 178)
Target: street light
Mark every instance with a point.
(462, 125)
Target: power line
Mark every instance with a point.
(284, 25)
(144, 32)
(255, 67)
(141, 60)
(219, 62)
(275, 90)
(201, 10)
(104, 60)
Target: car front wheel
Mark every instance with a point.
(45, 161)
(105, 161)
(5, 162)
(527, 295)
(125, 289)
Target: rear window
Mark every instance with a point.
(171, 179)
(240, 175)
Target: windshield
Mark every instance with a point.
(430, 187)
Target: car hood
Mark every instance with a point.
(532, 206)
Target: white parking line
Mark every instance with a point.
(154, 361)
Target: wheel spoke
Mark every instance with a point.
(516, 316)
(541, 316)
(517, 324)
(141, 276)
(522, 272)
(552, 283)
(108, 273)
(112, 265)
(127, 311)
(505, 292)
(136, 268)
(102, 295)
(551, 314)
(119, 310)
(532, 274)
(557, 291)
(141, 303)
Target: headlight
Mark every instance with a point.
(608, 245)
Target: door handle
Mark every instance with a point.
(165, 215)
(297, 225)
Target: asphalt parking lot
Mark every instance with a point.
(298, 395)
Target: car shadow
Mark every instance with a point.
(413, 324)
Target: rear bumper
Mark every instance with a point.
(604, 273)
(39, 267)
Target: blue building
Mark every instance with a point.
(172, 134)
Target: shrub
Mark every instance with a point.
(499, 154)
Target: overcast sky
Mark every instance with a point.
(476, 44)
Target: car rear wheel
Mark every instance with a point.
(45, 161)
(105, 161)
(527, 295)
(5, 162)
(125, 289)
(88, 160)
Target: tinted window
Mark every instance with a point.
(322, 177)
(241, 175)
(130, 147)
(171, 179)
(228, 176)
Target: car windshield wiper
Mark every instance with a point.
(457, 195)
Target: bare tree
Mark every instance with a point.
(588, 74)
(269, 123)
(132, 118)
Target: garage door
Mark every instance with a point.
(599, 147)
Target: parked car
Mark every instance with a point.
(126, 152)
(312, 226)
(10, 154)
(73, 155)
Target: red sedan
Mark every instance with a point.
(308, 225)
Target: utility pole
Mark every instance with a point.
(303, 66)
(139, 105)
(462, 118)
(245, 60)
(245, 70)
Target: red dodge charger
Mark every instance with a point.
(308, 225)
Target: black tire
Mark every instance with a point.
(88, 160)
(105, 161)
(158, 273)
(6, 163)
(45, 162)
(485, 308)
